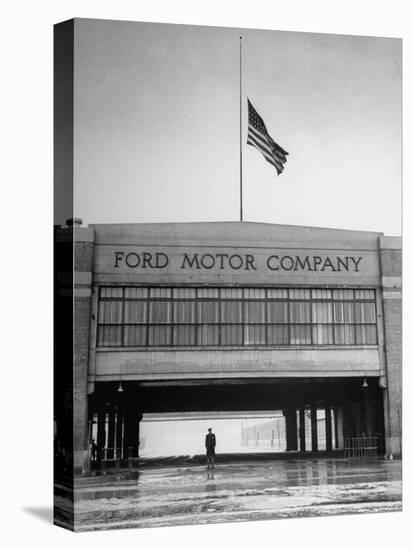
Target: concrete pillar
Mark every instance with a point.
(131, 433)
(111, 434)
(291, 430)
(369, 414)
(119, 430)
(348, 429)
(302, 434)
(139, 418)
(339, 428)
(314, 427)
(393, 426)
(358, 423)
(328, 426)
(101, 434)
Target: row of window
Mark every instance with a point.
(214, 312)
(233, 293)
(234, 335)
(152, 317)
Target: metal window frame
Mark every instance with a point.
(220, 299)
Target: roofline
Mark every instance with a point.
(242, 223)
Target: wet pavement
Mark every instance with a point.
(243, 491)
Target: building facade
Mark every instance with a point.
(231, 316)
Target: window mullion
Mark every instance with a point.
(172, 316)
(243, 319)
(220, 325)
(123, 316)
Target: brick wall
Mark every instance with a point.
(391, 266)
(73, 278)
(83, 265)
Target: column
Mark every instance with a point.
(348, 430)
(111, 434)
(119, 432)
(338, 427)
(358, 424)
(302, 435)
(370, 420)
(328, 426)
(101, 434)
(139, 418)
(314, 427)
(291, 430)
(131, 433)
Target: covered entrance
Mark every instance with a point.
(303, 415)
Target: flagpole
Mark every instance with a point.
(240, 108)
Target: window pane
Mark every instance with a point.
(208, 292)
(160, 312)
(160, 292)
(321, 294)
(135, 312)
(299, 312)
(135, 335)
(277, 312)
(188, 293)
(344, 334)
(364, 294)
(299, 294)
(360, 334)
(208, 312)
(322, 334)
(255, 334)
(110, 312)
(254, 293)
(184, 312)
(365, 334)
(343, 294)
(232, 335)
(343, 312)
(254, 312)
(184, 335)
(369, 313)
(230, 293)
(136, 292)
(278, 334)
(111, 292)
(109, 335)
(300, 334)
(276, 293)
(208, 335)
(321, 312)
(371, 334)
(160, 336)
(365, 313)
(231, 312)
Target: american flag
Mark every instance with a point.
(258, 137)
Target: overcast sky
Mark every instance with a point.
(156, 130)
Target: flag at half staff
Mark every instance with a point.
(258, 137)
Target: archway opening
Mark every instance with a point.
(184, 434)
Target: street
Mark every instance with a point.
(187, 495)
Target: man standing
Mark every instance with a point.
(93, 450)
(210, 443)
